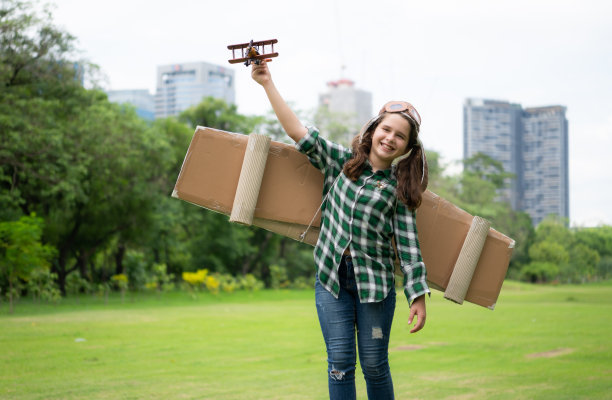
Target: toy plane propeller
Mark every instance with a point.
(252, 52)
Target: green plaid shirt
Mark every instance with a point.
(363, 216)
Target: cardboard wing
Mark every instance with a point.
(271, 185)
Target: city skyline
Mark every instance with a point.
(434, 56)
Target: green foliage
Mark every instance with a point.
(250, 283)
(21, 251)
(89, 167)
(159, 279)
(42, 285)
(550, 252)
(539, 271)
(279, 277)
(216, 113)
(120, 281)
(75, 284)
(598, 239)
(554, 229)
(604, 268)
(136, 272)
(32, 49)
(335, 125)
(585, 260)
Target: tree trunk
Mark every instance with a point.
(59, 267)
(119, 258)
(251, 261)
(10, 295)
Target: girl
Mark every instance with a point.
(371, 194)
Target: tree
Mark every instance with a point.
(554, 229)
(583, 263)
(336, 126)
(549, 252)
(21, 251)
(479, 185)
(216, 113)
(32, 50)
(88, 167)
(518, 226)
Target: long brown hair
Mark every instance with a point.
(409, 170)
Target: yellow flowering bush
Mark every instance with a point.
(195, 279)
(212, 284)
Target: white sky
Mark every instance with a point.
(431, 53)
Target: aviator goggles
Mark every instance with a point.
(404, 108)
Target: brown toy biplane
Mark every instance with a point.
(252, 52)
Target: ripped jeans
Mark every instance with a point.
(339, 319)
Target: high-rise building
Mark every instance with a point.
(141, 99)
(352, 104)
(530, 143)
(490, 127)
(545, 175)
(180, 86)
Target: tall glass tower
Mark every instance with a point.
(180, 86)
(531, 143)
(545, 162)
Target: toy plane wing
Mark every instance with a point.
(252, 52)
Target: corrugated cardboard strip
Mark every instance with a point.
(223, 171)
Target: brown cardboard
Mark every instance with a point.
(291, 192)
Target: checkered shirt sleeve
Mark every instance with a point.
(409, 252)
(325, 155)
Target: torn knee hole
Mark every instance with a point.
(337, 375)
(377, 333)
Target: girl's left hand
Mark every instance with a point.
(417, 309)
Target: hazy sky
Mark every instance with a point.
(434, 54)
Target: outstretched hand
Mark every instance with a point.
(260, 73)
(417, 309)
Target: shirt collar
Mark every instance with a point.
(388, 173)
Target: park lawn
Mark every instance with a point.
(541, 342)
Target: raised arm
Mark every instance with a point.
(287, 118)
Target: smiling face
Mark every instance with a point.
(389, 140)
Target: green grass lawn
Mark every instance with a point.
(541, 342)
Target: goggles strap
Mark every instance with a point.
(423, 159)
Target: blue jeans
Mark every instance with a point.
(339, 318)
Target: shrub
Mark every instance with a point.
(227, 282)
(250, 282)
(159, 279)
(75, 284)
(538, 271)
(302, 282)
(196, 279)
(278, 277)
(41, 285)
(212, 284)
